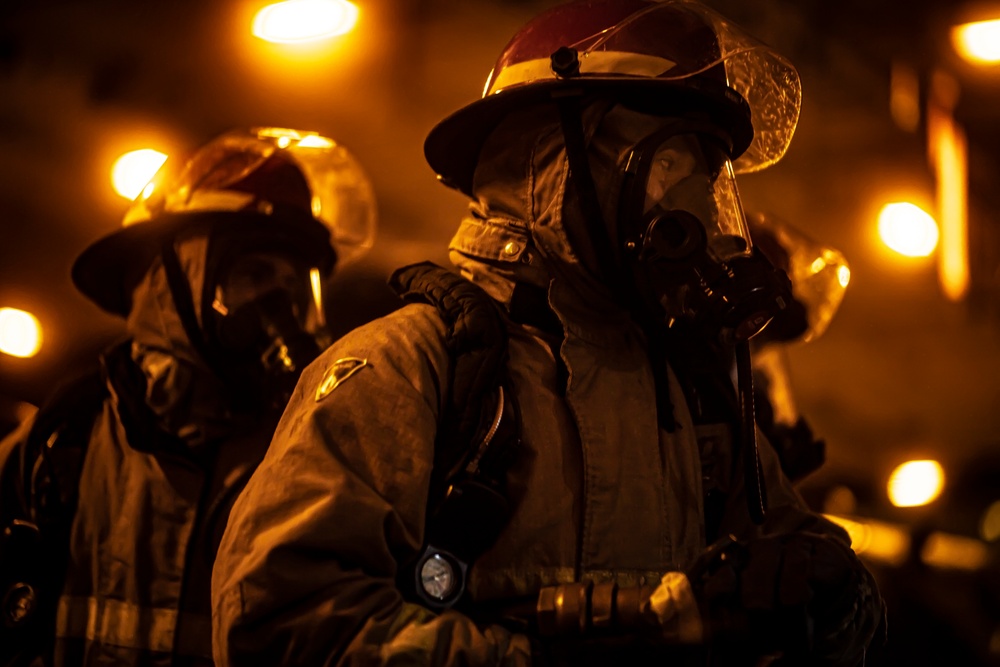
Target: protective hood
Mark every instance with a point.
(187, 398)
(526, 213)
(522, 221)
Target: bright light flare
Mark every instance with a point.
(908, 229)
(951, 167)
(20, 333)
(132, 171)
(295, 21)
(316, 281)
(916, 483)
(843, 275)
(978, 42)
(877, 540)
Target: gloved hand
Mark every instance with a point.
(803, 596)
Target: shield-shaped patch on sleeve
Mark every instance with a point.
(337, 374)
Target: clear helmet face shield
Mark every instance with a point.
(268, 319)
(694, 41)
(671, 55)
(286, 174)
(687, 172)
(683, 231)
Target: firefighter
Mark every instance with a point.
(819, 276)
(114, 497)
(613, 505)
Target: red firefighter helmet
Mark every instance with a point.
(305, 187)
(668, 57)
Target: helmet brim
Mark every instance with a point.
(108, 271)
(452, 147)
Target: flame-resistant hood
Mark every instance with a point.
(526, 216)
(187, 398)
(521, 213)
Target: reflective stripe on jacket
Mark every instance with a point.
(142, 544)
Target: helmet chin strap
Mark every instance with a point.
(581, 187)
(180, 291)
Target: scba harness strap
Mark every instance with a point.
(478, 435)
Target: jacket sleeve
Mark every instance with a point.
(786, 510)
(305, 574)
(787, 513)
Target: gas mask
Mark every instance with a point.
(686, 241)
(267, 322)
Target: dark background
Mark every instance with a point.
(902, 373)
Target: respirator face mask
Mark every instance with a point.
(269, 322)
(686, 240)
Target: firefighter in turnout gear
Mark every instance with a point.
(542, 459)
(115, 496)
(819, 276)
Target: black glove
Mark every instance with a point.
(802, 596)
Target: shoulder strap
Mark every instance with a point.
(468, 501)
(477, 345)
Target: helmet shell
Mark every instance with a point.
(304, 187)
(819, 274)
(669, 57)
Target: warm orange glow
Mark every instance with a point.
(316, 281)
(876, 540)
(978, 42)
(952, 185)
(907, 229)
(844, 275)
(840, 500)
(947, 154)
(296, 21)
(890, 544)
(989, 525)
(915, 483)
(953, 552)
(20, 333)
(132, 171)
(904, 97)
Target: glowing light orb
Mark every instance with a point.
(908, 229)
(20, 333)
(843, 275)
(132, 171)
(978, 42)
(915, 483)
(295, 21)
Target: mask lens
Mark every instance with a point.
(688, 173)
(268, 325)
(255, 275)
